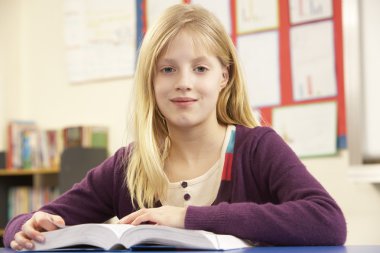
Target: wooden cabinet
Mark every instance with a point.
(26, 177)
(74, 164)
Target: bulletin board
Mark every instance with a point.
(292, 55)
(100, 39)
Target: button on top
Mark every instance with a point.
(186, 196)
(184, 184)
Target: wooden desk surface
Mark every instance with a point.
(327, 249)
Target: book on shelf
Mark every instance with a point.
(53, 146)
(22, 150)
(85, 136)
(28, 146)
(25, 199)
(116, 236)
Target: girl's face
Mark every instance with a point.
(187, 83)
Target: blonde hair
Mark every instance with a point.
(145, 175)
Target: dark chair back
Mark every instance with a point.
(75, 162)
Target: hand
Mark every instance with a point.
(32, 228)
(165, 215)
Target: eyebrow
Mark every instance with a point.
(172, 61)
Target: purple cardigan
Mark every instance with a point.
(270, 197)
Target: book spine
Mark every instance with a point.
(86, 136)
(73, 136)
(9, 155)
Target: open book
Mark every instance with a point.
(113, 236)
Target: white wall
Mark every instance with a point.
(371, 77)
(360, 201)
(37, 85)
(9, 59)
(33, 84)
(2, 83)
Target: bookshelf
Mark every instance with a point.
(65, 155)
(23, 177)
(30, 172)
(74, 164)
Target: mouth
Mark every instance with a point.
(183, 101)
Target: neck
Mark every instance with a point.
(197, 142)
(193, 151)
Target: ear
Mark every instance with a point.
(225, 77)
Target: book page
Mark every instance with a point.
(98, 235)
(180, 238)
(111, 236)
(163, 235)
(228, 242)
(118, 229)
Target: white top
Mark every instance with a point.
(202, 190)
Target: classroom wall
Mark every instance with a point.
(33, 85)
(371, 78)
(2, 83)
(36, 79)
(9, 29)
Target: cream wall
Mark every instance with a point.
(360, 201)
(35, 75)
(2, 83)
(9, 67)
(371, 77)
(33, 85)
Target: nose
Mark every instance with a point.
(184, 81)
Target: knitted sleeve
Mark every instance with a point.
(297, 210)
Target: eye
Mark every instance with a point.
(201, 69)
(167, 70)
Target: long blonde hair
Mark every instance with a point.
(145, 175)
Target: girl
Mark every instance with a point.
(199, 159)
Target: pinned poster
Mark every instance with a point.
(220, 8)
(256, 15)
(309, 10)
(259, 54)
(155, 8)
(313, 61)
(100, 39)
(309, 129)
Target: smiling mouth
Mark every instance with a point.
(183, 100)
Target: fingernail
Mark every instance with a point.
(59, 225)
(29, 245)
(40, 238)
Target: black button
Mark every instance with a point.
(184, 184)
(186, 196)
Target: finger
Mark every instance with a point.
(46, 221)
(57, 221)
(30, 231)
(132, 216)
(22, 241)
(15, 246)
(126, 220)
(147, 217)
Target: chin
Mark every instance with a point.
(183, 123)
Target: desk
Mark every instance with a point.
(328, 249)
